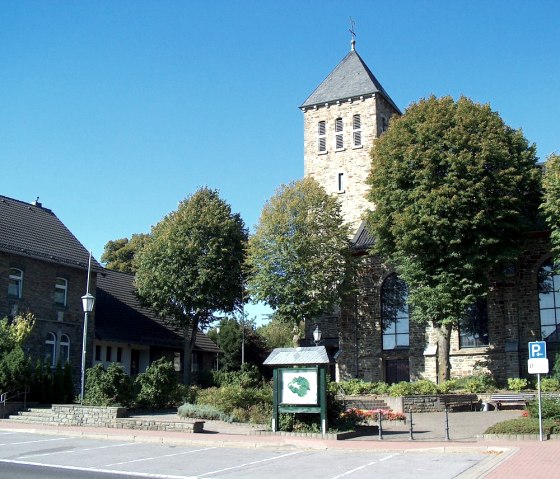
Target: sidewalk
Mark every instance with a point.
(506, 459)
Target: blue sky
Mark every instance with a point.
(114, 111)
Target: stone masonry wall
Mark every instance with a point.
(75, 415)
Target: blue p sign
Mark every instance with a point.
(537, 349)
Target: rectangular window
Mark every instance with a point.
(339, 134)
(384, 124)
(357, 131)
(322, 137)
(473, 328)
(15, 283)
(119, 355)
(60, 291)
(340, 183)
(109, 354)
(97, 352)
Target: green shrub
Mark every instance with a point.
(15, 369)
(517, 384)
(248, 376)
(300, 422)
(256, 414)
(523, 425)
(448, 386)
(186, 394)
(358, 386)
(202, 411)
(550, 408)
(479, 383)
(550, 385)
(229, 398)
(424, 387)
(158, 385)
(111, 387)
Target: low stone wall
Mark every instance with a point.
(436, 403)
(151, 425)
(76, 415)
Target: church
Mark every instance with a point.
(342, 118)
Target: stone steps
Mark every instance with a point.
(33, 415)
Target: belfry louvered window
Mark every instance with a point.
(357, 130)
(339, 135)
(322, 137)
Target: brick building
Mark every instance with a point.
(43, 270)
(342, 118)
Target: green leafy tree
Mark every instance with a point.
(15, 366)
(297, 257)
(454, 188)
(118, 255)
(551, 200)
(191, 266)
(277, 334)
(158, 385)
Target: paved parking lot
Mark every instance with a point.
(136, 459)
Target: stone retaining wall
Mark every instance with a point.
(76, 415)
(150, 425)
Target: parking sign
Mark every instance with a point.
(537, 350)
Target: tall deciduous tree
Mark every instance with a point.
(551, 200)
(453, 188)
(191, 266)
(297, 256)
(119, 254)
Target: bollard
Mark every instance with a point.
(379, 425)
(410, 426)
(446, 425)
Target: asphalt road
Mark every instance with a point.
(33, 456)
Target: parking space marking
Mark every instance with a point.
(32, 442)
(352, 471)
(93, 469)
(250, 463)
(80, 450)
(155, 458)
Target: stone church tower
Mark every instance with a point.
(342, 118)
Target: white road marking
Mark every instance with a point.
(69, 451)
(250, 463)
(158, 457)
(352, 471)
(93, 469)
(32, 442)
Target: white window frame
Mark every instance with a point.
(357, 130)
(61, 288)
(15, 279)
(322, 136)
(64, 348)
(339, 134)
(50, 348)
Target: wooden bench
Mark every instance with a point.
(499, 400)
(460, 401)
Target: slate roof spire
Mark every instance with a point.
(350, 80)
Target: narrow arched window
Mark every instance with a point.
(50, 349)
(64, 349)
(394, 313)
(548, 286)
(473, 326)
(60, 291)
(322, 137)
(357, 131)
(15, 283)
(339, 134)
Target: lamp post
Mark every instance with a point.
(317, 335)
(87, 305)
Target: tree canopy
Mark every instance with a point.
(551, 201)
(191, 266)
(297, 257)
(453, 189)
(118, 255)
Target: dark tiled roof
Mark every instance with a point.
(350, 79)
(31, 230)
(119, 317)
(362, 240)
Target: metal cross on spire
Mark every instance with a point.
(353, 33)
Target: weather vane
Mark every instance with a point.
(353, 33)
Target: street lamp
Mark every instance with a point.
(317, 335)
(87, 305)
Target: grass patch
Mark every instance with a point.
(524, 425)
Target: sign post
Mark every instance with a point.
(538, 364)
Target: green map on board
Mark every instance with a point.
(299, 385)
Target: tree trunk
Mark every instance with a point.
(443, 340)
(188, 346)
